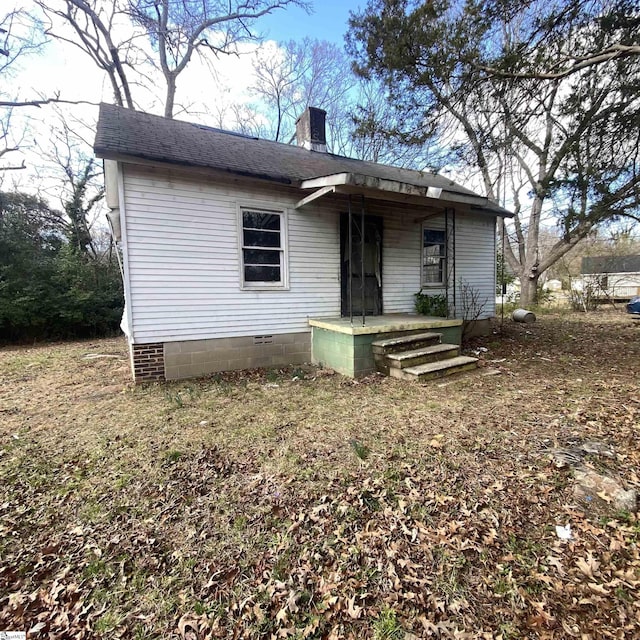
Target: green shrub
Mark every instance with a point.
(49, 289)
(431, 305)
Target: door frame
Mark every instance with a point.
(377, 222)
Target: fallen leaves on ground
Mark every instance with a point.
(237, 506)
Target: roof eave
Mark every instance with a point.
(108, 154)
(344, 182)
(432, 195)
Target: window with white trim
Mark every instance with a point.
(434, 257)
(263, 248)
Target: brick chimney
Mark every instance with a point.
(310, 130)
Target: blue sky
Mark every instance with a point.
(327, 21)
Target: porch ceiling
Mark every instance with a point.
(396, 191)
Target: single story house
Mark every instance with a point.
(611, 277)
(240, 252)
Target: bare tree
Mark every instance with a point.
(291, 77)
(19, 36)
(377, 133)
(247, 121)
(578, 149)
(9, 142)
(277, 76)
(301, 74)
(92, 24)
(174, 31)
(71, 177)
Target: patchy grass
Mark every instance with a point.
(288, 503)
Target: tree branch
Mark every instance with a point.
(44, 101)
(14, 167)
(614, 52)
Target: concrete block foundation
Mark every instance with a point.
(193, 358)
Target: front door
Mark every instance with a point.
(351, 264)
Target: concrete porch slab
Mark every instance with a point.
(347, 347)
(388, 323)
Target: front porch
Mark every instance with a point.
(344, 345)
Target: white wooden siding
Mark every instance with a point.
(476, 261)
(183, 262)
(401, 253)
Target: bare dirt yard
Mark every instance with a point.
(295, 503)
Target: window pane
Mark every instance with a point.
(432, 274)
(431, 260)
(261, 256)
(261, 274)
(434, 250)
(432, 236)
(258, 220)
(433, 256)
(261, 238)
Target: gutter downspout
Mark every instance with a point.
(453, 231)
(362, 258)
(350, 254)
(128, 316)
(447, 259)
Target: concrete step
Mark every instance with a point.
(411, 341)
(435, 369)
(415, 357)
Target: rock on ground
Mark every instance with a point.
(603, 490)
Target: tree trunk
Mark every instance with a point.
(171, 94)
(529, 290)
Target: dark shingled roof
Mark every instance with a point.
(611, 264)
(124, 132)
